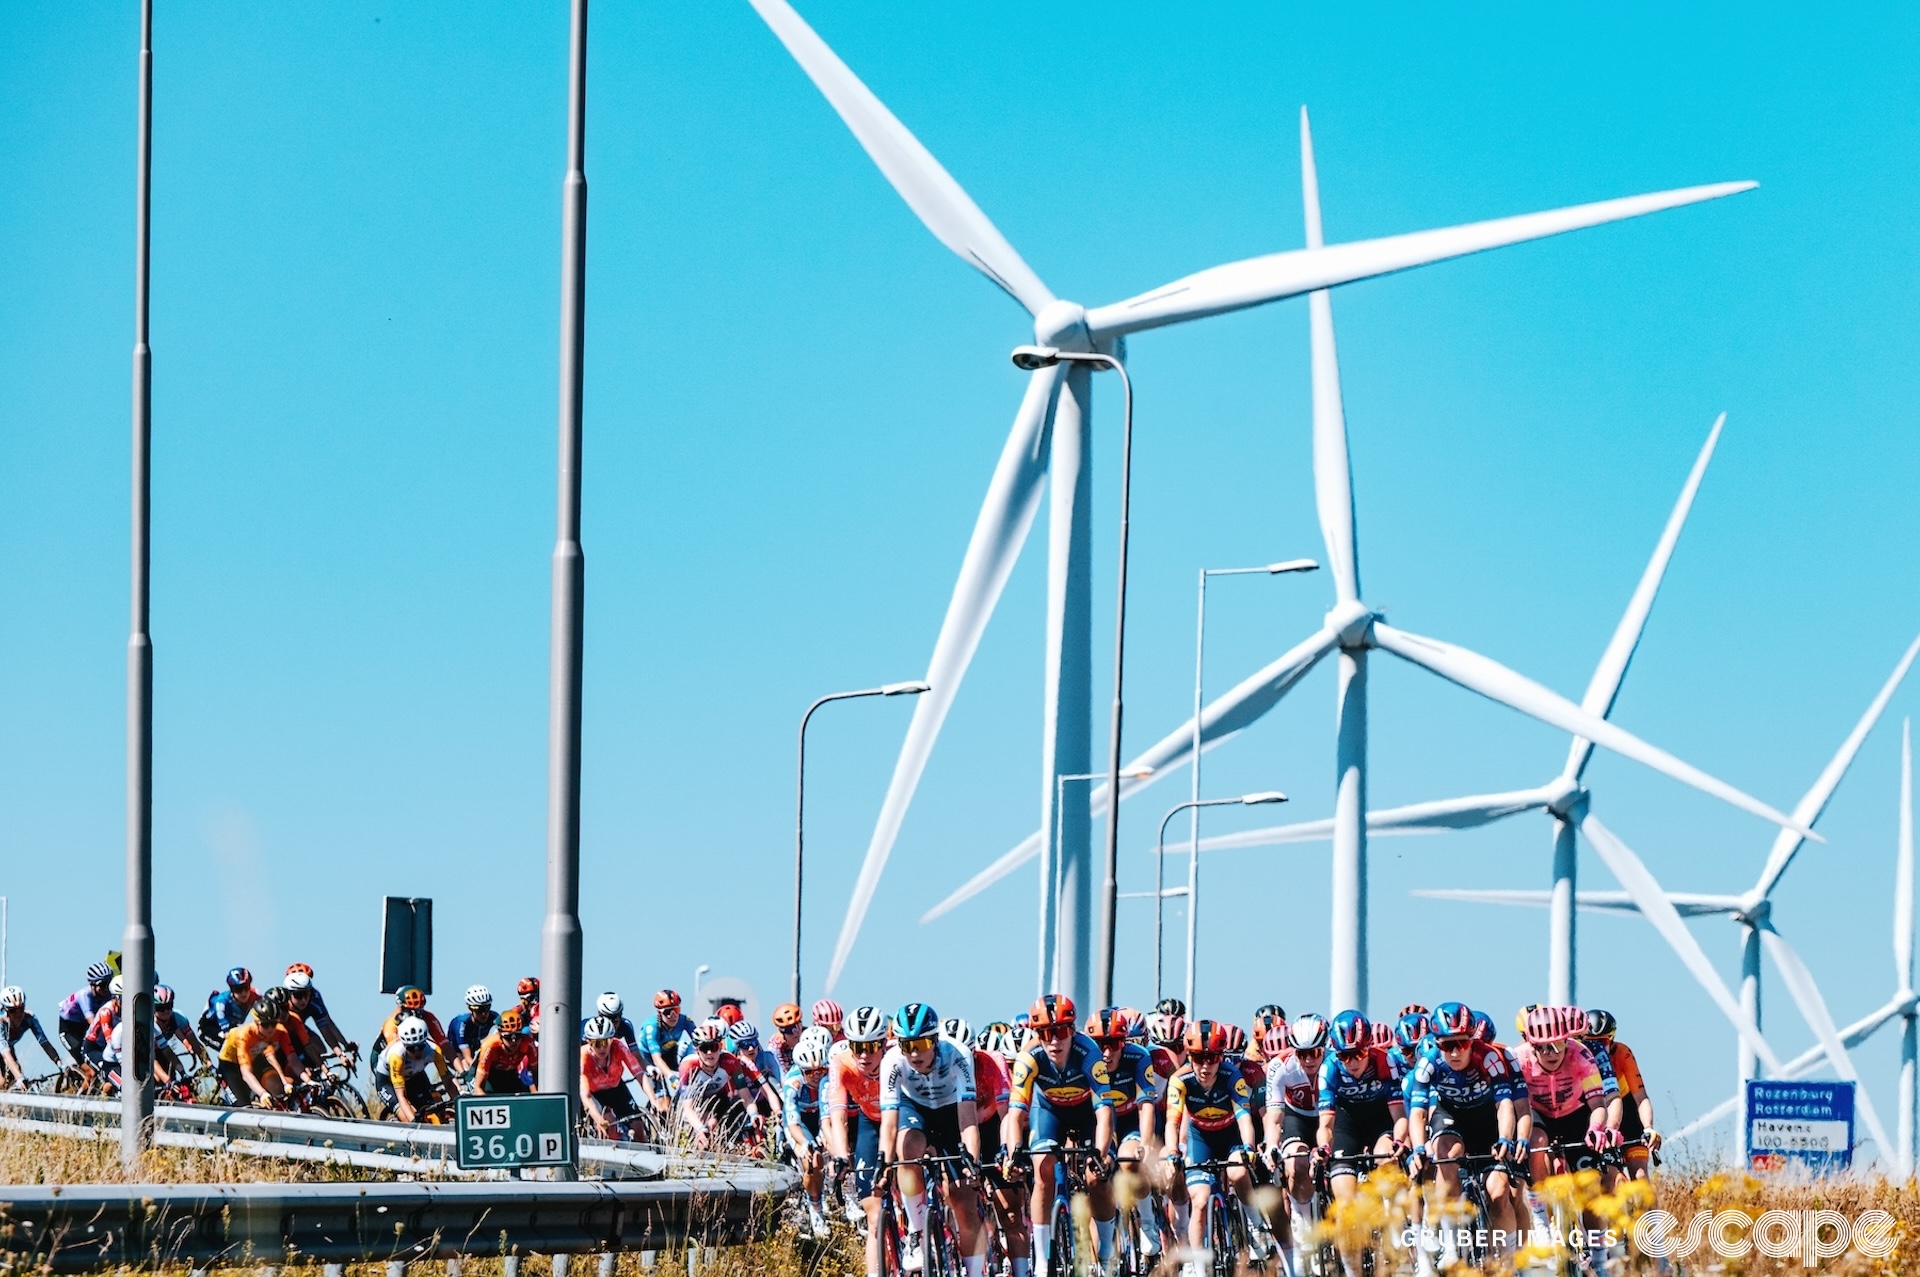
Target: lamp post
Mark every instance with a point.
(1050, 875)
(1160, 891)
(698, 973)
(1031, 358)
(1282, 568)
(800, 801)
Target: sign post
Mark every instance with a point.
(513, 1132)
(1808, 1124)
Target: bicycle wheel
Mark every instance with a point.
(1219, 1236)
(892, 1245)
(1065, 1245)
(940, 1247)
(349, 1100)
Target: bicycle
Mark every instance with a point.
(1327, 1259)
(939, 1242)
(1229, 1232)
(1474, 1168)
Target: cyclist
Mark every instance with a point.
(1291, 1120)
(606, 1062)
(787, 1027)
(1133, 1090)
(1630, 1110)
(79, 1008)
(1359, 1104)
(1564, 1092)
(406, 1081)
(259, 1040)
(1167, 1032)
(300, 976)
(853, 1112)
(1059, 1098)
(1171, 1006)
(718, 1088)
(994, 1047)
(105, 1021)
(1209, 1120)
(927, 1108)
(15, 1023)
(509, 1058)
(1460, 1104)
(744, 1041)
(528, 991)
(227, 1009)
(168, 1028)
(828, 1015)
(1409, 1031)
(664, 1036)
(411, 1003)
(800, 1104)
(307, 1042)
(610, 1005)
(468, 1030)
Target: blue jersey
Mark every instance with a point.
(625, 1032)
(800, 1094)
(468, 1030)
(1340, 1087)
(665, 1042)
(1082, 1078)
(1603, 1060)
(1133, 1081)
(1481, 1079)
(227, 1011)
(13, 1031)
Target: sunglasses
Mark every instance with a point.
(866, 1048)
(1550, 1048)
(1110, 1044)
(917, 1044)
(1455, 1044)
(1310, 1052)
(1354, 1054)
(707, 1048)
(1204, 1057)
(1055, 1033)
(786, 1030)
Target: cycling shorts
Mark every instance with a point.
(235, 1082)
(807, 1120)
(419, 1089)
(504, 1082)
(1299, 1128)
(990, 1143)
(1477, 1128)
(940, 1125)
(1055, 1126)
(617, 1101)
(866, 1153)
(1571, 1129)
(1208, 1146)
(1356, 1129)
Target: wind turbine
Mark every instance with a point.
(1353, 629)
(1753, 911)
(1903, 1006)
(1051, 432)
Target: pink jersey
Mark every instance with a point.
(1573, 1086)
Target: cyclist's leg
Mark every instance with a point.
(866, 1185)
(1044, 1142)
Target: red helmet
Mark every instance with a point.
(827, 1013)
(1166, 1029)
(304, 968)
(1051, 1009)
(1382, 1034)
(1274, 1041)
(1236, 1038)
(1107, 1026)
(729, 1013)
(1206, 1035)
(666, 1000)
(1265, 1019)
(529, 986)
(1413, 1008)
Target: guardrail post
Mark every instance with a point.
(510, 1266)
(560, 1265)
(396, 1268)
(453, 1267)
(648, 1258)
(606, 1264)
(333, 1270)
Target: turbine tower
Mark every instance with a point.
(1050, 443)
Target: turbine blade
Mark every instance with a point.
(1523, 899)
(1418, 818)
(1640, 884)
(1226, 716)
(1259, 280)
(1903, 866)
(1496, 682)
(1605, 687)
(1813, 1009)
(1718, 1113)
(1013, 497)
(1785, 846)
(928, 189)
(1332, 474)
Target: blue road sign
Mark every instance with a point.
(1806, 1124)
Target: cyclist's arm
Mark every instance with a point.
(1324, 1136)
(970, 1128)
(1504, 1119)
(11, 1074)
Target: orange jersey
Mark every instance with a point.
(1626, 1069)
(390, 1031)
(252, 1040)
(848, 1087)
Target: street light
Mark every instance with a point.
(1160, 891)
(698, 972)
(800, 800)
(1035, 357)
(1050, 873)
(1282, 568)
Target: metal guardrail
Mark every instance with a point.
(80, 1227)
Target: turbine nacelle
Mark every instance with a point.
(1352, 624)
(1565, 798)
(1063, 325)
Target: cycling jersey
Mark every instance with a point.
(390, 1031)
(1616, 1061)
(624, 1031)
(81, 1006)
(666, 1040)
(730, 1078)
(1603, 1064)
(1133, 1081)
(800, 1096)
(1255, 1071)
(227, 1011)
(12, 1029)
(1290, 1086)
(1081, 1079)
(1563, 1091)
(518, 1057)
(606, 1074)
(767, 1062)
(948, 1081)
(100, 1028)
(174, 1028)
(850, 1088)
(252, 1040)
(1341, 1087)
(1166, 1064)
(1209, 1108)
(467, 1031)
(401, 1065)
(990, 1086)
(1480, 1080)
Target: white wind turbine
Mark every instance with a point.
(1903, 1006)
(1753, 911)
(1353, 629)
(1051, 432)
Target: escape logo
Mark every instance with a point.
(1814, 1236)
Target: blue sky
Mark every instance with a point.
(794, 399)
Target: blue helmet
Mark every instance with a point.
(99, 973)
(1453, 1020)
(1351, 1032)
(239, 978)
(916, 1020)
(1410, 1029)
(742, 1036)
(1483, 1026)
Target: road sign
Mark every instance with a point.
(497, 1132)
(1807, 1124)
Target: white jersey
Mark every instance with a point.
(1289, 1087)
(949, 1081)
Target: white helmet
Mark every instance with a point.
(811, 1054)
(117, 987)
(11, 997)
(819, 1033)
(413, 1031)
(610, 1005)
(601, 1028)
(867, 1024)
(296, 981)
(479, 995)
(957, 1031)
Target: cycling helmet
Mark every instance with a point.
(827, 1013)
(1544, 1025)
(1453, 1020)
(529, 986)
(1381, 1035)
(304, 968)
(1520, 1018)
(1206, 1035)
(816, 1033)
(1483, 1026)
(1107, 1026)
(410, 997)
(13, 997)
(1308, 1033)
(1136, 1024)
(1166, 1029)
(1266, 1018)
(511, 1021)
(602, 1028)
(413, 1032)
(1415, 1008)
(743, 1036)
(117, 986)
(1350, 1032)
(1410, 1028)
(1236, 1038)
(1171, 1006)
(786, 1016)
(1050, 1009)
(916, 1020)
(162, 997)
(609, 1004)
(709, 1033)
(956, 1031)
(237, 979)
(867, 1024)
(810, 1054)
(999, 1038)
(729, 1013)
(1274, 1041)
(100, 973)
(296, 981)
(1601, 1025)
(478, 996)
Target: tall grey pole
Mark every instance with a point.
(1749, 1003)
(800, 803)
(136, 942)
(1110, 891)
(1563, 917)
(560, 939)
